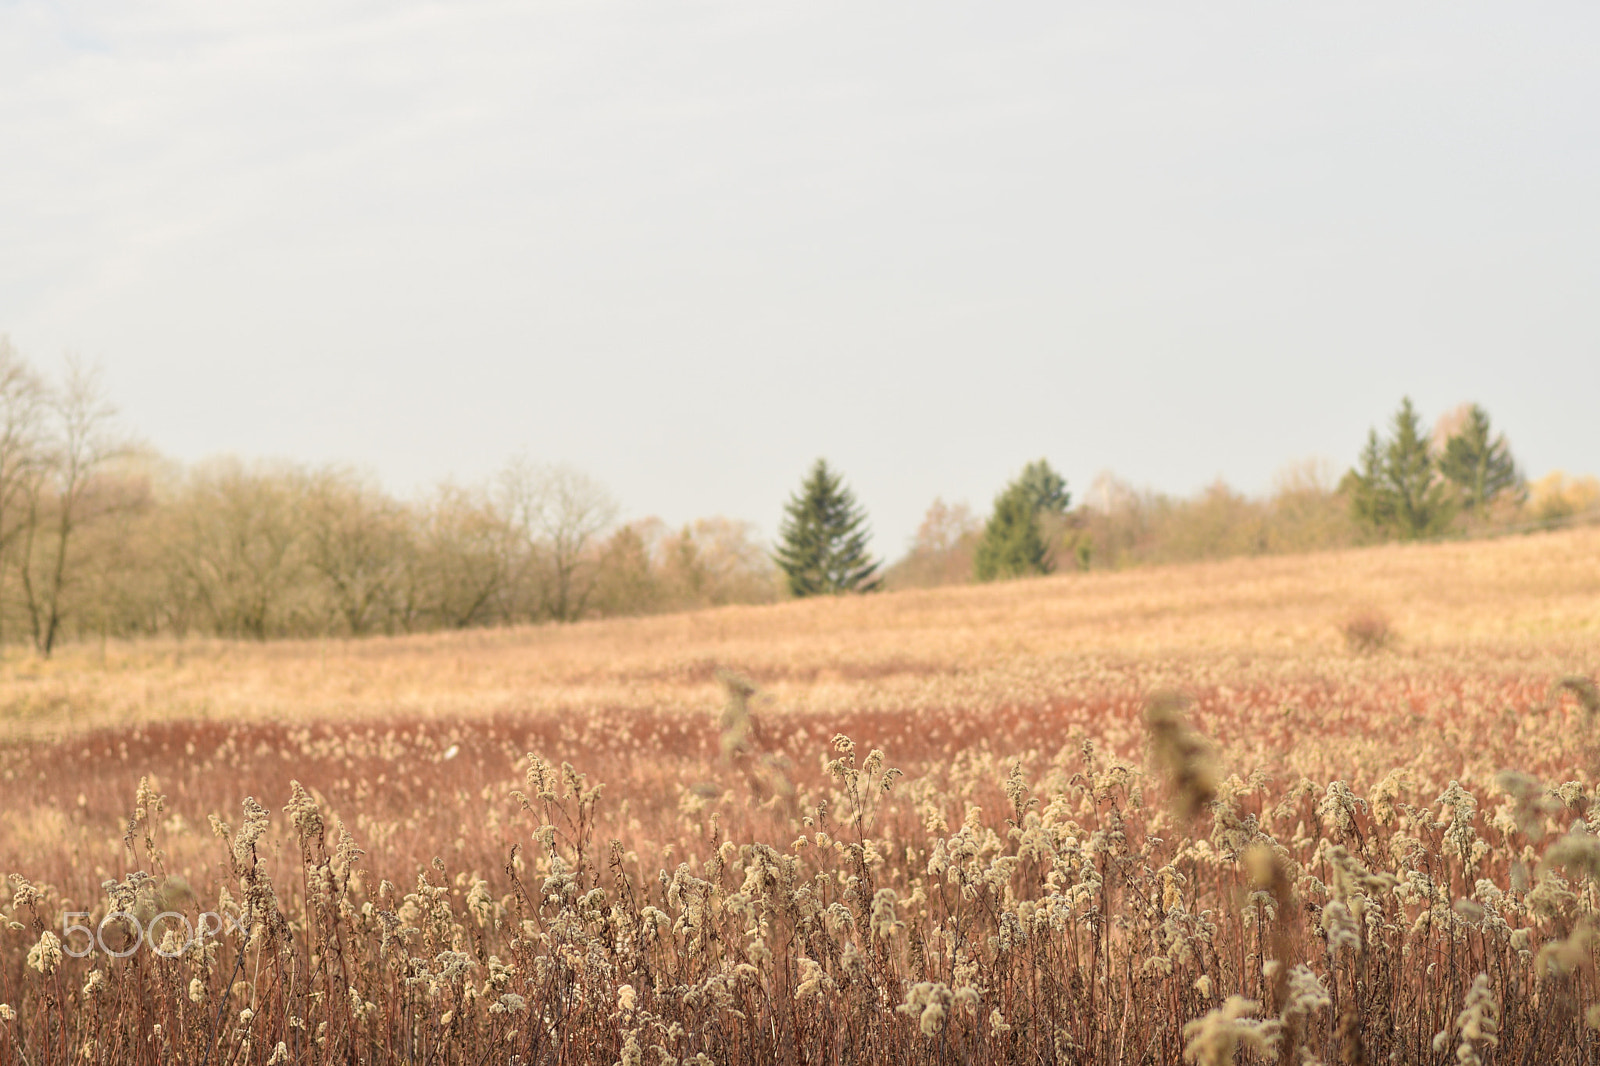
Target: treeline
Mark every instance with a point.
(99, 537)
(102, 538)
(1457, 478)
(1118, 526)
(277, 550)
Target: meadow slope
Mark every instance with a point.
(927, 826)
(1525, 604)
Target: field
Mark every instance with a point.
(1254, 811)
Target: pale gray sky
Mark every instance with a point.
(689, 247)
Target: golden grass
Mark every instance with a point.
(1532, 602)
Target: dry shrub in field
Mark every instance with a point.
(753, 889)
(1367, 631)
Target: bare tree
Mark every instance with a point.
(558, 513)
(21, 427)
(716, 561)
(358, 543)
(79, 448)
(461, 568)
(238, 548)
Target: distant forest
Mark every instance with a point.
(101, 538)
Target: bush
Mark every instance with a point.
(1367, 631)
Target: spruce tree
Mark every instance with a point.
(1013, 544)
(823, 538)
(1398, 489)
(1046, 488)
(1480, 466)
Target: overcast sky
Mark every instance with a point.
(689, 247)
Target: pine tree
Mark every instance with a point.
(1013, 543)
(823, 538)
(1398, 489)
(1370, 503)
(1046, 488)
(1481, 467)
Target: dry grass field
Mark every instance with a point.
(1253, 811)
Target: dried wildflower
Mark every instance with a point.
(1212, 1039)
(45, 956)
(256, 820)
(1307, 993)
(1387, 791)
(1340, 927)
(884, 922)
(1567, 955)
(813, 981)
(632, 1052)
(1186, 757)
(347, 854)
(1478, 1025)
(737, 724)
(509, 1003)
(1463, 807)
(1339, 806)
(1577, 852)
(930, 1002)
(23, 892)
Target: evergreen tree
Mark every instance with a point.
(1481, 467)
(823, 538)
(1398, 490)
(1013, 544)
(1046, 488)
(1371, 504)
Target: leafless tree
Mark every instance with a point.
(358, 543)
(461, 568)
(558, 513)
(78, 448)
(21, 428)
(238, 547)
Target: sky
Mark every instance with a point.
(690, 247)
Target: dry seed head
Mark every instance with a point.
(1478, 1024)
(884, 922)
(45, 956)
(1186, 757)
(1213, 1039)
(23, 892)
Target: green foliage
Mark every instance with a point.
(823, 538)
(1481, 467)
(1397, 490)
(1045, 488)
(1013, 544)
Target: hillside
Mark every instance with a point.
(1526, 604)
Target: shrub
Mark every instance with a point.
(1367, 631)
